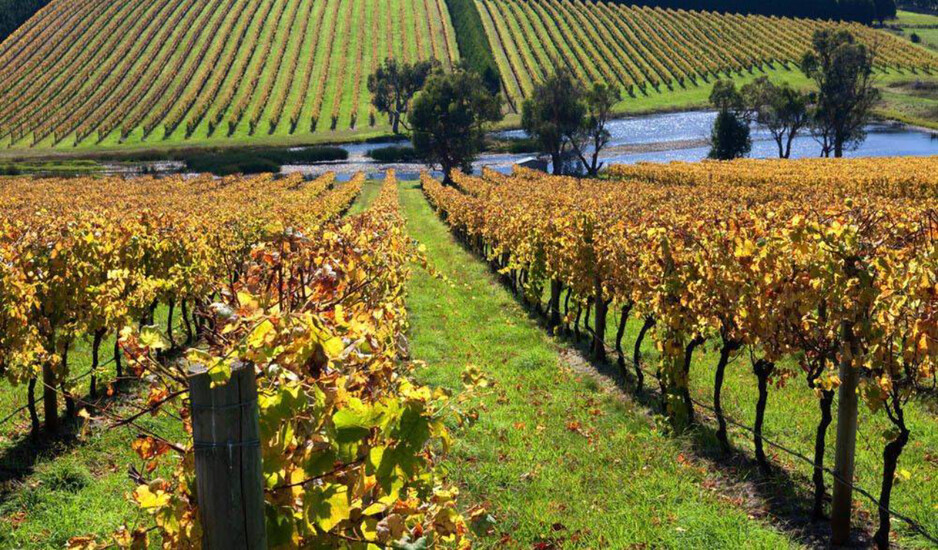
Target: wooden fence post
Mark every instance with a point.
(846, 441)
(228, 470)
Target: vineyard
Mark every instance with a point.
(648, 51)
(94, 73)
(264, 271)
(781, 274)
(90, 74)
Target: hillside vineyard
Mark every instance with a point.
(651, 50)
(90, 72)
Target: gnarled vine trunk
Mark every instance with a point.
(637, 352)
(725, 351)
(763, 370)
(826, 405)
(890, 462)
(620, 332)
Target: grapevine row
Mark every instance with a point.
(803, 269)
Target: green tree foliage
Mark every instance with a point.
(885, 9)
(393, 86)
(14, 13)
(730, 136)
(473, 43)
(554, 114)
(842, 69)
(592, 137)
(782, 109)
(449, 118)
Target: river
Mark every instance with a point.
(683, 137)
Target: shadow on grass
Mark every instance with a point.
(18, 461)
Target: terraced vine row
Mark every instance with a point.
(646, 50)
(93, 73)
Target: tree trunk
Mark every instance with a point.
(825, 403)
(558, 165)
(762, 369)
(791, 138)
(838, 147)
(890, 461)
(637, 352)
(725, 351)
(50, 401)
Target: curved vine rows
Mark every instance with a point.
(108, 73)
(644, 50)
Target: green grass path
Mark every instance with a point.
(553, 459)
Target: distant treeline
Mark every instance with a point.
(863, 11)
(921, 5)
(14, 13)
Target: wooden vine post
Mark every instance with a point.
(847, 408)
(228, 470)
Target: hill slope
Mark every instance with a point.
(649, 51)
(89, 72)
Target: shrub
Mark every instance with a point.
(226, 163)
(394, 154)
(916, 39)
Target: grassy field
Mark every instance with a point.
(924, 25)
(169, 72)
(556, 461)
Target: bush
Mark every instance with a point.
(394, 154)
(10, 171)
(307, 155)
(730, 138)
(226, 163)
(915, 38)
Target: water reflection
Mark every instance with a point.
(683, 137)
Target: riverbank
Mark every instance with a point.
(681, 136)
